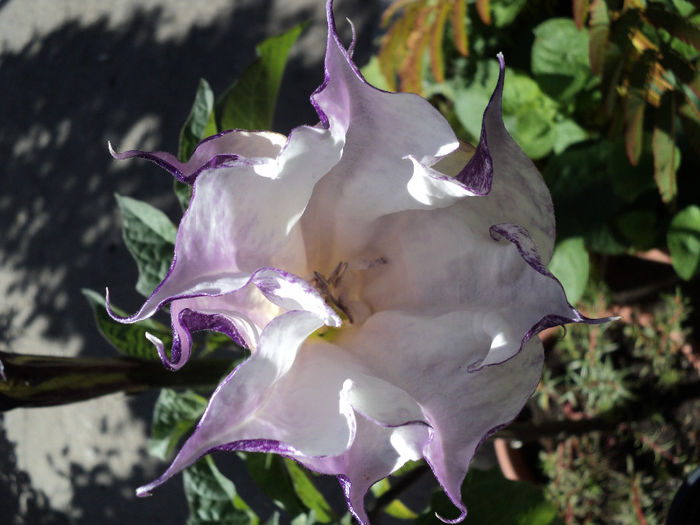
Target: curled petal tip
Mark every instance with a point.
(111, 149)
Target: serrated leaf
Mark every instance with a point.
(308, 493)
(129, 339)
(195, 127)
(667, 156)
(683, 240)
(599, 34)
(482, 7)
(459, 27)
(249, 103)
(150, 238)
(212, 497)
(570, 264)
(580, 8)
(491, 499)
(174, 415)
(437, 60)
(634, 126)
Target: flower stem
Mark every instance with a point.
(37, 381)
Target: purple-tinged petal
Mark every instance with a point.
(233, 412)
(473, 273)
(428, 357)
(228, 313)
(382, 130)
(223, 238)
(517, 193)
(376, 452)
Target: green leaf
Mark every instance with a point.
(308, 493)
(634, 126)
(212, 497)
(491, 499)
(560, 58)
(530, 115)
(373, 74)
(195, 127)
(249, 103)
(200, 123)
(396, 508)
(592, 184)
(678, 26)
(683, 240)
(504, 11)
(272, 477)
(599, 34)
(150, 237)
(567, 133)
(183, 192)
(174, 415)
(639, 228)
(570, 264)
(129, 339)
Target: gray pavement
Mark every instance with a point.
(73, 74)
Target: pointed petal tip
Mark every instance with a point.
(143, 492)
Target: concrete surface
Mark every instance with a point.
(73, 74)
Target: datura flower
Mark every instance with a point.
(388, 280)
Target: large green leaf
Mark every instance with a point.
(174, 415)
(212, 497)
(150, 237)
(491, 499)
(272, 477)
(591, 185)
(534, 119)
(199, 123)
(249, 103)
(684, 242)
(570, 264)
(560, 58)
(130, 339)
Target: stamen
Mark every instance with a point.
(325, 286)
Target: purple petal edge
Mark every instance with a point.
(246, 445)
(527, 249)
(191, 321)
(170, 163)
(477, 175)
